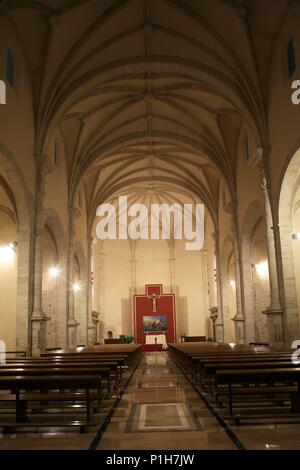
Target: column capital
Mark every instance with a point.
(215, 236)
(46, 164)
(74, 212)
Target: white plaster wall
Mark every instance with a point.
(8, 282)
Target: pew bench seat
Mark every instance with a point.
(52, 396)
(254, 418)
(9, 427)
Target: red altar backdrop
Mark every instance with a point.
(154, 313)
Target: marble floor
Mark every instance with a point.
(159, 410)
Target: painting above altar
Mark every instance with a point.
(155, 324)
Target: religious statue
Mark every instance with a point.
(154, 297)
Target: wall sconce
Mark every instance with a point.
(54, 272)
(262, 269)
(232, 283)
(13, 245)
(296, 236)
(76, 287)
(7, 254)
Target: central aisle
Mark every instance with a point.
(160, 411)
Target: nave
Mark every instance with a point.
(157, 407)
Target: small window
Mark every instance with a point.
(291, 57)
(10, 67)
(56, 153)
(246, 147)
(79, 199)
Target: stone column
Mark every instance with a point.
(99, 294)
(291, 320)
(209, 328)
(239, 319)
(218, 321)
(38, 317)
(72, 324)
(172, 264)
(90, 324)
(24, 288)
(274, 311)
(216, 324)
(133, 288)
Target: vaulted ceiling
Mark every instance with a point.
(148, 94)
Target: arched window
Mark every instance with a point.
(56, 153)
(245, 144)
(10, 69)
(291, 57)
(79, 199)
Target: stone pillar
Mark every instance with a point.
(72, 324)
(172, 264)
(24, 287)
(274, 311)
(99, 294)
(133, 287)
(90, 324)
(291, 322)
(38, 317)
(95, 321)
(239, 319)
(219, 324)
(209, 329)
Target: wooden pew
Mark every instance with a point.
(115, 365)
(23, 386)
(261, 377)
(46, 379)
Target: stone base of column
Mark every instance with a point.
(92, 334)
(217, 325)
(219, 332)
(239, 327)
(275, 326)
(72, 333)
(38, 334)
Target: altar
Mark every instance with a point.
(157, 340)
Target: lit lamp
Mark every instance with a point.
(76, 287)
(7, 254)
(54, 272)
(13, 245)
(232, 283)
(262, 269)
(296, 236)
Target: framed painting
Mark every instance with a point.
(155, 324)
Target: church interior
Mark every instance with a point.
(134, 342)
